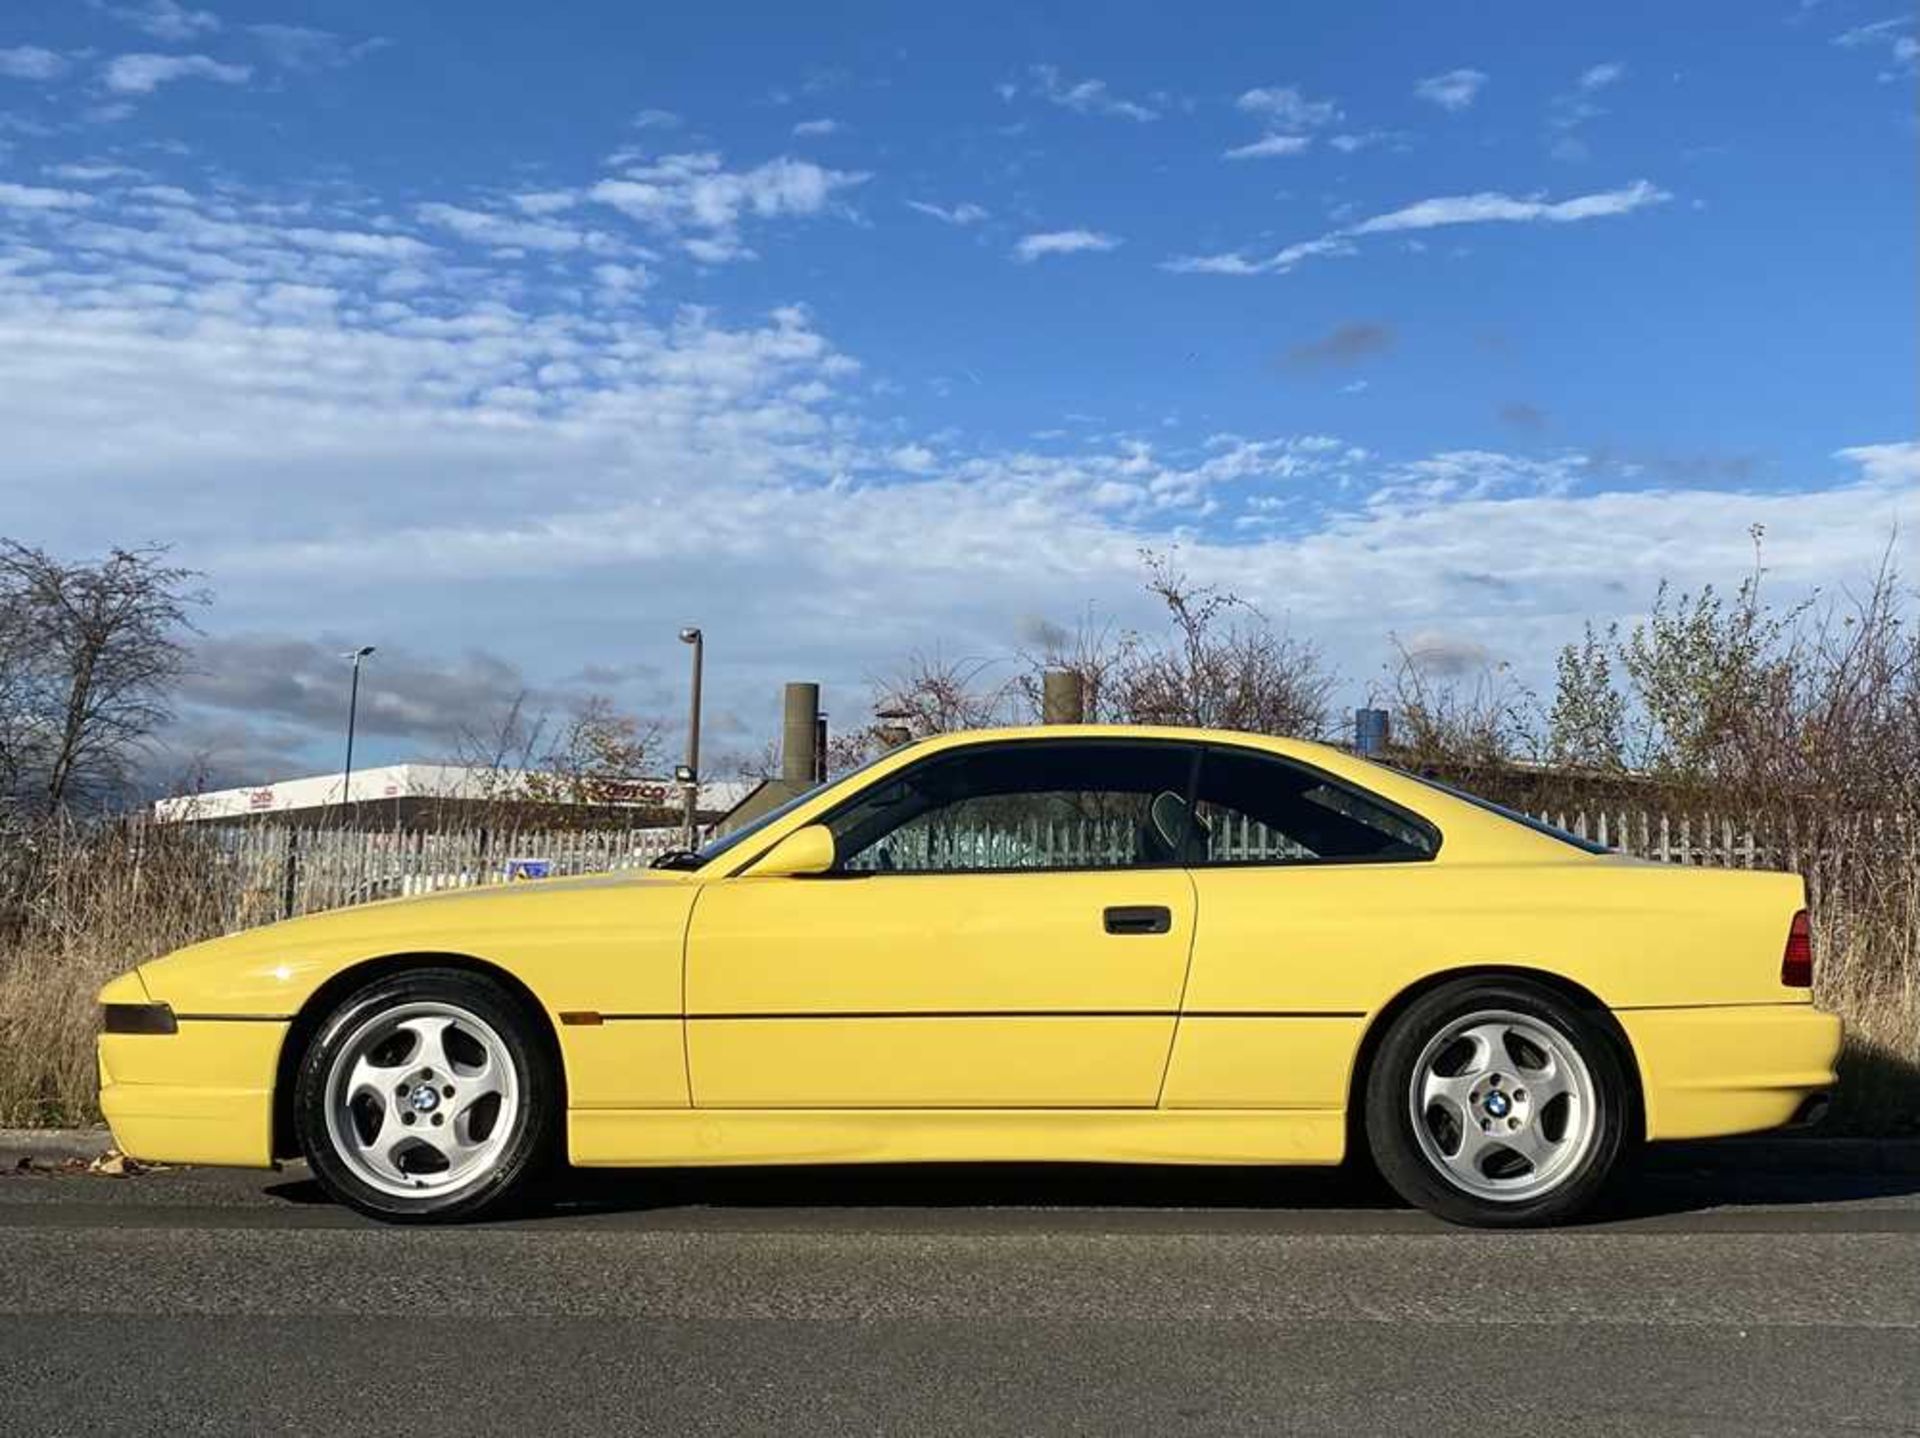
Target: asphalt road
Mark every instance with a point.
(960, 1300)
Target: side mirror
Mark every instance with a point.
(804, 851)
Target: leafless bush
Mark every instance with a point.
(89, 654)
(930, 694)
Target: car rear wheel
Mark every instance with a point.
(427, 1096)
(1497, 1104)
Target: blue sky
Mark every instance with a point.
(511, 340)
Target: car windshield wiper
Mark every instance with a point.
(678, 859)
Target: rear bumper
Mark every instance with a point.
(202, 1095)
(1733, 1069)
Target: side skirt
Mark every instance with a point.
(621, 1138)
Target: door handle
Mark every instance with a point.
(1139, 919)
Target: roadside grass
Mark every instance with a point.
(79, 905)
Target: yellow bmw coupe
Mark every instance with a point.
(1079, 943)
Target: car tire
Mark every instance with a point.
(430, 1095)
(1498, 1104)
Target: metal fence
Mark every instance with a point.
(291, 871)
(281, 871)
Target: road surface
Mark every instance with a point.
(971, 1300)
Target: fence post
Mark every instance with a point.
(290, 878)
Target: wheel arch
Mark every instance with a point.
(322, 1001)
(1382, 1021)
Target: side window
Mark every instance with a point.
(1254, 808)
(1031, 805)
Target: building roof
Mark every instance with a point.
(443, 783)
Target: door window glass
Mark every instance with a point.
(1035, 804)
(1253, 808)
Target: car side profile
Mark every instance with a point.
(1097, 943)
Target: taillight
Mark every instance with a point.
(1796, 965)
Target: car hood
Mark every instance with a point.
(270, 971)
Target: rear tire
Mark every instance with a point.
(1498, 1104)
(428, 1097)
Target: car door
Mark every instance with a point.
(1310, 890)
(1007, 926)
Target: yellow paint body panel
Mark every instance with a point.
(1003, 1062)
(720, 1016)
(845, 980)
(1270, 1063)
(620, 1140)
(1731, 1070)
(202, 1095)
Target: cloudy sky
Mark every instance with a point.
(510, 338)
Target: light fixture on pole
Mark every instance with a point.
(353, 707)
(689, 774)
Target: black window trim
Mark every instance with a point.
(1200, 749)
(1194, 748)
(1400, 811)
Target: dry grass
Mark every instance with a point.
(78, 907)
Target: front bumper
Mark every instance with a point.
(201, 1095)
(1732, 1069)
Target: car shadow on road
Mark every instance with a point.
(1675, 1179)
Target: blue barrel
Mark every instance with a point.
(1370, 732)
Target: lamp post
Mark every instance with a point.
(353, 708)
(690, 771)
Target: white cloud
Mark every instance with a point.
(545, 202)
(35, 197)
(656, 120)
(92, 173)
(1061, 242)
(1348, 144)
(483, 227)
(1598, 77)
(143, 74)
(913, 459)
(31, 62)
(359, 244)
(1278, 263)
(165, 19)
(1484, 208)
(1086, 97)
(1455, 90)
(300, 47)
(1285, 107)
(695, 198)
(807, 129)
(1896, 34)
(1490, 206)
(474, 466)
(1269, 146)
(964, 213)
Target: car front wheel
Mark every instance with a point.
(426, 1096)
(1497, 1104)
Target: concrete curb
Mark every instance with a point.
(1766, 1154)
(52, 1145)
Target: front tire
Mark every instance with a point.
(427, 1096)
(1497, 1104)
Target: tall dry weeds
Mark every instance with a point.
(78, 905)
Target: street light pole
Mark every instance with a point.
(353, 708)
(690, 775)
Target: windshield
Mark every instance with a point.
(1539, 826)
(721, 843)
